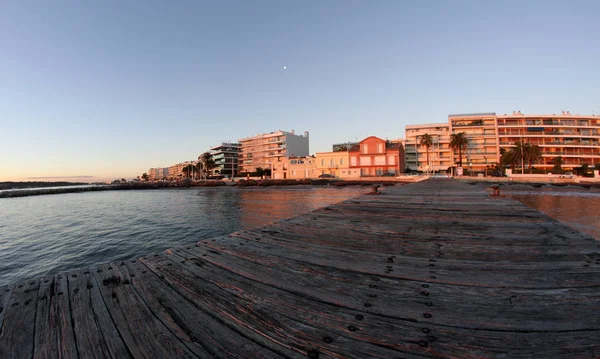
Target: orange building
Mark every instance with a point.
(376, 157)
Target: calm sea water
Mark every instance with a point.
(577, 207)
(42, 235)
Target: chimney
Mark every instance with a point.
(306, 134)
(292, 132)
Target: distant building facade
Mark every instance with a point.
(268, 149)
(336, 163)
(225, 156)
(294, 168)
(176, 171)
(482, 132)
(575, 138)
(376, 157)
(157, 174)
(440, 154)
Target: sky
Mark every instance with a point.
(98, 90)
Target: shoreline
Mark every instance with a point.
(190, 184)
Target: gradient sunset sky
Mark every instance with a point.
(108, 89)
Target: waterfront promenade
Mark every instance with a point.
(431, 269)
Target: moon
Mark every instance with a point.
(285, 67)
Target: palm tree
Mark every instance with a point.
(508, 158)
(207, 162)
(532, 153)
(199, 169)
(427, 141)
(459, 141)
(558, 162)
(145, 176)
(188, 168)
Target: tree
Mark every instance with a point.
(208, 163)
(260, 172)
(508, 158)
(427, 141)
(199, 168)
(188, 169)
(145, 176)
(558, 162)
(460, 142)
(532, 154)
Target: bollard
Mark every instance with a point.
(496, 192)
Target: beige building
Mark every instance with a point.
(336, 164)
(482, 132)
(440, 154)
(294, 168)
(159, 173)
(575, 138)
(270, 149)
(176, 171)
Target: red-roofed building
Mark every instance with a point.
(374, 156)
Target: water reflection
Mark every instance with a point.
(575, 206)
(42, 235)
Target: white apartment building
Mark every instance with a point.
(268, 149)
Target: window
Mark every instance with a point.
(380, 160)
(323, 162)
(365, 161)
(343, 172)
(365, 148)
(293, 172)
(352, 161)
(341, 161)
(332, 162)
(379, 147)
(391, 160)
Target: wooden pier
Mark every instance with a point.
(436, 269)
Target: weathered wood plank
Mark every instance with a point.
(95, 333)
(199, 330)
(144, 335)
(435, 269)
(377, 328)
(18, 327)
(5, 292)
(454, 303)
(269, 319)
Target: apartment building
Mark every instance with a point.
(575, 138)
(440, 154)
(482, 132)
(268, 149)
(374, 157)
(225, 156)
(157, 174)
(176, 171)
(336, 163)
(294, 168)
